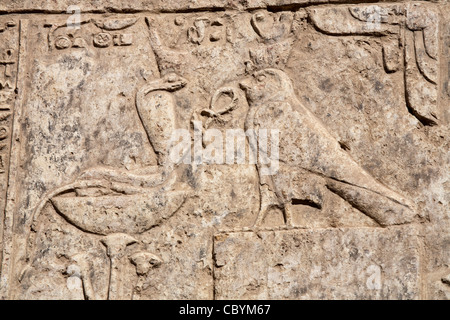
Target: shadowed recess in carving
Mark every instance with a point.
(306, 202)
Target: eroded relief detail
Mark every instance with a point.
(306, 154)
(8, 73)
(9, 55)
(419, 40)
(109, 32)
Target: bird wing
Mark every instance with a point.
(305, 142)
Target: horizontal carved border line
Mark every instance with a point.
(160, 6)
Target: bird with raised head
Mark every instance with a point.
(307, 147)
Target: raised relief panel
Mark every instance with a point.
(303, 264)
(294, 152)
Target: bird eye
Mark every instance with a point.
(172, 77)
(261, 78)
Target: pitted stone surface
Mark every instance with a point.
(224, 149)
(304, 264)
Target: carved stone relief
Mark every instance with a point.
(298, 152)
(9, 56)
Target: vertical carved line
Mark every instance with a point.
(423, 259)
(213, 267)
(7, 91)
(8, 225)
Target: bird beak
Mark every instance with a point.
(245, 84)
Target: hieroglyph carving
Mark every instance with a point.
(9, 53)
(412, 28)
(109, 32)
(217, 71)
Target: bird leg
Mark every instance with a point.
(287, 216)
(269, 201)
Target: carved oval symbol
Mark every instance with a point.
(3, 133)
(102, 40)
(216, 105)
(62, 43)
(115, 24)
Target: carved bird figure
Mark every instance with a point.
(306, 147)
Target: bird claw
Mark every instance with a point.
(263, 214)
(263, 211)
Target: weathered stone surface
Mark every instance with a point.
(224, 149)
(357, 263)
